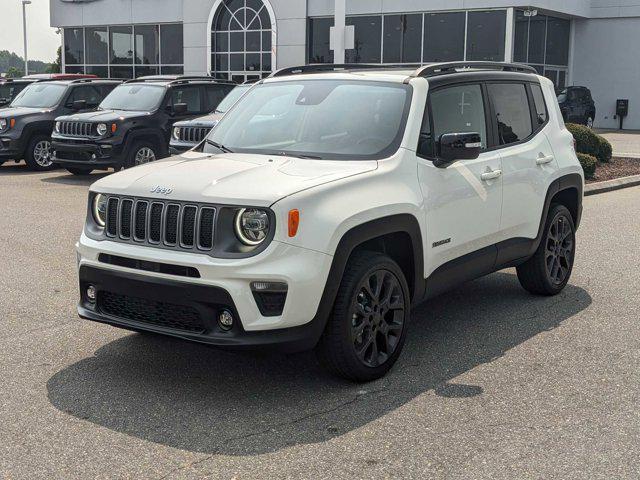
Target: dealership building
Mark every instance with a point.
(591, 43)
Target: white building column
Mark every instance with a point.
(510, 33)
(338, 31)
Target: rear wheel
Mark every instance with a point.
(367, 328)
(549, 270)
(38, 154)
(79, 171)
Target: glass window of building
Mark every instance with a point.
(241, 40)
(521, 37)
(444, 37)
(121, 45)
(172, 44)
(97, 40)
(402, 38)
(319, 37)
(486, 35)
(368, 38)
(74, 46)
(557, 45)
(147, 44)
(537, 39)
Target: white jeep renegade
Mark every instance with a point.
(331, 199)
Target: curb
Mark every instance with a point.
(611, 185)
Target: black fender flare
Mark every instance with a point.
(42, 127)
(401, 223)
(136, 134)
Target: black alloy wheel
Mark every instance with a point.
(559, 250)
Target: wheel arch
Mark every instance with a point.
(142, 134)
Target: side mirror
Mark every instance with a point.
(457, 146)
(180, 108)
(79, 105)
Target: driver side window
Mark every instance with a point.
(457, 109)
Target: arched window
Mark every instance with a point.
(241, 40)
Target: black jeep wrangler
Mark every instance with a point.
(26, 125)
(133, 124)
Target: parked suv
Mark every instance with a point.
(319, 223)
(189, 133)
(133, 124)
(11, 87)
(577, 106)
(25, 127)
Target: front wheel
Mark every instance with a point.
(141, 153)
(549, 270)
(79, 171)
(367, 328)
(38, 154)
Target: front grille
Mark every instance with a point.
(192, 134)
(163, 314)
(183, 227)
(76, 129)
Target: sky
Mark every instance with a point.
(42, 39)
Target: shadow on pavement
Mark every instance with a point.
(198, 399)
(65, 178)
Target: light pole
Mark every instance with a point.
(24, 31)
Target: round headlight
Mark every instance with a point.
(176, 133)
(102, 129)
(252, 226)
(3, 123)
(100, 209)
(58, 124)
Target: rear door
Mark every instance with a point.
(521, 117)
(463, 201)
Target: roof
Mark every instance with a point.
(177, 79)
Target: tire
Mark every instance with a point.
(38, 154)
(141, 152)
(360, 321)
(79, 171)
(549, 270)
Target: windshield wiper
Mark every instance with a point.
(301, 155)
(219, 146)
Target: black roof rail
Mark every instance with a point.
(91, 80)
(333, 67)
(176, 79)
(436, 69)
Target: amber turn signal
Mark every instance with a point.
(294, 222)
(12, 122)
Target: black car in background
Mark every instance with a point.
(577, 106)
(189, 133)
(132, 126)
(26, 125)
(11, 87)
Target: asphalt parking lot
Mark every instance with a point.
(493, 383)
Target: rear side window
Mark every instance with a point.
(458, 109)
(513, 115)
(542, 115)
(89, 94)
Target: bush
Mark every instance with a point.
(605, 152)
(587, 141)
(589, 164)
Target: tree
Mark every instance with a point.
(56, 66)
(13, 72)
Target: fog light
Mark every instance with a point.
(225, 320)
(93, 157)
(92, 293)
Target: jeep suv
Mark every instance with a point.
(133, 124)
(25, 126)
(11, 87)
(577, 106)
(189, 133)
(330, 200)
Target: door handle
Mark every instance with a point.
(491, 175)
(543, 160)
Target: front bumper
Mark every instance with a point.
(69, 153)
(223, 283)
(10, 149)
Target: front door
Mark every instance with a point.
(463, 202)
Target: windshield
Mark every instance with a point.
(134, 97)
(324, 119)
(40, 95)
(232, 97)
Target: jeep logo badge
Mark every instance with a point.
(162, 190)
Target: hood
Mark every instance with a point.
(210, 120)
(233, 179)
(103, 116)
(17, 112)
